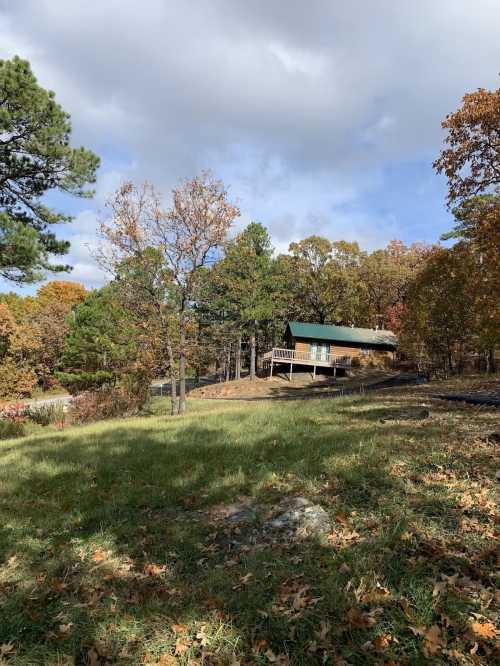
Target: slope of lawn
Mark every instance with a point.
(111, 552)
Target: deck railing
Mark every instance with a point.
(309, 358)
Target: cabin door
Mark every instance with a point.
(320, 351)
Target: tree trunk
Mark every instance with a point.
(252, 356)
(173, 379)
(237, 359)
(461, 359)
(228, 362)
(491, 365)
(182, 361)
(450, 362)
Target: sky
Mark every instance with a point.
(321, 117)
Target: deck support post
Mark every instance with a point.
(314, 372)
(291, 370)
(271, 373)
(334, 371)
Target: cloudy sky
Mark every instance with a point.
(323, 117)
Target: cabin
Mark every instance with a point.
(327, 346)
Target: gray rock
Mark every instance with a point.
(300, 517)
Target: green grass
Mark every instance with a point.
(109, 551)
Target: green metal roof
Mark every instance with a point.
(363, 336)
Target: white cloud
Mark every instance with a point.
(302, 109)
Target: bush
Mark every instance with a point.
(106, 403)
(11, 429)
(46, 414)
(12, 419)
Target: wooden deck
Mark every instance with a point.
(294, 357)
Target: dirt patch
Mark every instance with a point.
(281, 386)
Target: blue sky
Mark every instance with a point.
(321, 117)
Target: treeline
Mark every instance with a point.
(442, 303)
(238, 306)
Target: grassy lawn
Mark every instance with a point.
(111, 550)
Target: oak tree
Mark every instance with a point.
(471, 159)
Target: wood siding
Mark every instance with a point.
(302, 346)
(340, 350)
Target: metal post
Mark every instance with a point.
(314, 373)
(271, 373)
(291, 370)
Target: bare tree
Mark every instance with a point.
(187, 237)
(190, 234)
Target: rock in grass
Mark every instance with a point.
(298, 516)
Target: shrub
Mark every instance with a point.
(106, 403)
(11, 429)
(14, 411)
(12, 419)
(46, 414)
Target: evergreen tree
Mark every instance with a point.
(101, 345)
(35, 157)
(243, 285)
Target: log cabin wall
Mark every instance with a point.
(374, 357)
(340, 350)
(302, 345)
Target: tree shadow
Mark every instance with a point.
(117, 540)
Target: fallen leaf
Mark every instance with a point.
(485, 630)
(259, 645)
(7, 648)
(202, 637)
(417, 631)
(179, 628)
(360, 620)
(100, 555)
(438, 588)
(181, 646)
(167, 660)
(153, 569)
(323, 631)
(278, 659)
(65, 629)
(433, 643)
(57, 585)
(382, 642)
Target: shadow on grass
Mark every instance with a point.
(118, 545)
